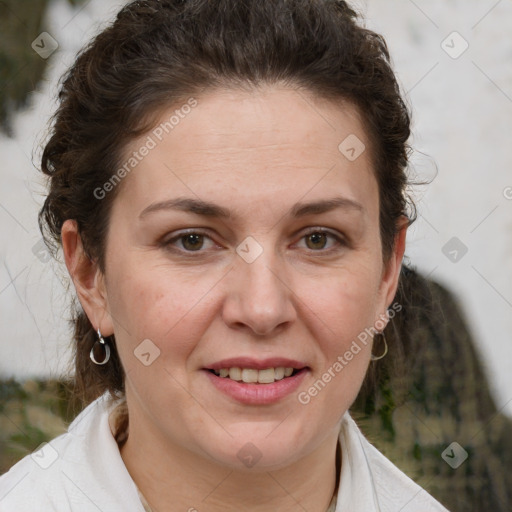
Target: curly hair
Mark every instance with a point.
(158, 53)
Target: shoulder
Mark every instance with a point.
(79, 470)
(391, 488)
(32, 483)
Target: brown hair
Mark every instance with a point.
(160, 52)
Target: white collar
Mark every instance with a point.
(88, 473)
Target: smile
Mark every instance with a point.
(249, 390)
(252, 376)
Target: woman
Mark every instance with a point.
(227, 186)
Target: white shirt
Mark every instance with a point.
(82, 471)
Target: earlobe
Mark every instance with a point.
(87, 278)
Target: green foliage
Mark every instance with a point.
(31, 413)
(21, 68)
(416, 451)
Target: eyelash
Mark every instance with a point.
(167, 244)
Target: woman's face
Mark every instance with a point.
(245, 237)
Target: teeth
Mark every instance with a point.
(235, 373)
(280, 372)
(251, 376)
(264, 376)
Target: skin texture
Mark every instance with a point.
(257, 154)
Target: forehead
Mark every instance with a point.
(265, 145)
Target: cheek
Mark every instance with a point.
(346, 303)
(342, 311)
(156, 304)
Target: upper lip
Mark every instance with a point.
(256, 364)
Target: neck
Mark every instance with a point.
(166, 472)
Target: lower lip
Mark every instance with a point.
(257, 394)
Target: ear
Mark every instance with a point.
(391, 271)
(87, 278)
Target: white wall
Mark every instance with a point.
(462, 110)
(462, 113)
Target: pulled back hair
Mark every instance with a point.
(159, 53)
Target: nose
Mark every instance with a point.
(258, 299)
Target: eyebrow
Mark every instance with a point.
(208, 209)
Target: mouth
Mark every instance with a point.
(243, 384)
(255, 376)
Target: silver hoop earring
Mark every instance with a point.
(100, 344)
(376, 358)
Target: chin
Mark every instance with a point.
(259, 449)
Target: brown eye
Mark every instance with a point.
(188, 242)
(316, 240)
(322, 242)
(192, 241)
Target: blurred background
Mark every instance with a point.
(453, 59)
